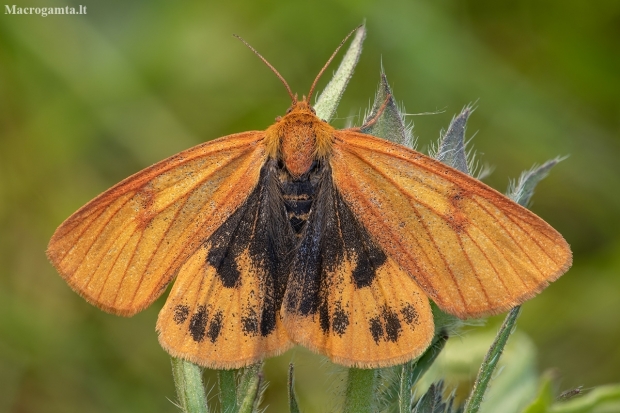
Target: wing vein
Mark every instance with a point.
(75, 244)
(155, 251)
(114, 263)
(500, 224)
(103, 228)
(491, 261)
(475, 272)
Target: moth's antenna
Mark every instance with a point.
(329, 61)
(273, 69)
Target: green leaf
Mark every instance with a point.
(328, 101)
(543, 399)
(188, 382)
(451, 148)
(360, 392)
(395, 393)
(292, 398)
(385, 120)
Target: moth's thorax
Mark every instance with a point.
(299, 138)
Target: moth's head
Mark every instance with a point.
(301, 107)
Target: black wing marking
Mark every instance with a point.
(261, 227)
(332, 235)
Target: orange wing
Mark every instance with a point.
(471, 249)
(122, 249)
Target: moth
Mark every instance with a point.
(303, 234)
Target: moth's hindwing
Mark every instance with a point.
(345, 298)
(224, 309)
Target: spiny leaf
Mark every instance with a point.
(328, 101)
(396, 394)
(451, 148)
(433, 401)
(522, 191)
(385, 119)
(412, 372)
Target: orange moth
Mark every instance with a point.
(304, 234)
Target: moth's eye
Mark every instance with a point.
(288, 110)
(312, 109)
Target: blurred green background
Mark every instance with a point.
(87, 100)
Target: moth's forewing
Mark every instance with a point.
(471, 249)
(121, 249)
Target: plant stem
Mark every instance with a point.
(190, 390)
(360, 391)
(490, 362)
(227, 382)
(413, 370)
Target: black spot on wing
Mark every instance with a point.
(337, 321)
(268, 318)
(410, 314)
(340, 320)
(215, 326)
(259, 226)
(229, 241)
(181, 312)
(198, 324)
(376, 329)
(392, 325)
(367, 255)
(249, 322)
(385, 326)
